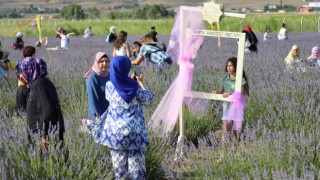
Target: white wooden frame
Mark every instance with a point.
(240, 57)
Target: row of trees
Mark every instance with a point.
(18, 13)
(74, 11)
(144, 12)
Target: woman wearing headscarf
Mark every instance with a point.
(293, 56)
(314, 57)
(43, 109)
(124, 129)
(252, 38)
(97, 78)
(112, 35)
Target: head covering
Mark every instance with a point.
(113, 29)
(95, 67)
(314, 49)
(19, 34)
(247, 29)
(32, 68)
(290, 55)
(119, 69)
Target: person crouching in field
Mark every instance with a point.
(44, 115)
(227, 88)
(125, 131)
(155, 52)
(19, 44)
(314, 59)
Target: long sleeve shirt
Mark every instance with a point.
(98, 103)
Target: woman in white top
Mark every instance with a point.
(283, 33)
(121, 48)
(87, 33)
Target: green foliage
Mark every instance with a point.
(73, 11)
(93, 12)
(145, 12)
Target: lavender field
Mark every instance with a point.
(280, 138)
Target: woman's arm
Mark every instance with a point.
(138, 60)
(128, 52)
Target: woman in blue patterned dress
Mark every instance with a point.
(124, 129)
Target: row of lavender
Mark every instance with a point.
(279, 139)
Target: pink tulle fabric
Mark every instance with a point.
(236, 109)
(166, 115)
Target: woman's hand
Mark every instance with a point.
(225, 95)
(125, 45)
(214, 92)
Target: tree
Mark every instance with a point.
(93, 12)
(73, 11)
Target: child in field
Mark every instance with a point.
(22, 94)
(283, 33)
(227, 88)
(65, 38)
(266, 34)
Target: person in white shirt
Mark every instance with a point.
(266, 34)
(87, 33)
(64, 39)
(283, 33)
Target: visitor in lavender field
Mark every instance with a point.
(96, 79)
(314, 58)
(293, 56)
(44, 115)
(154, 52)
(21, 95)
(112, 35)
(266, 34)
(124, 129)
(65, 38)
(252, 38)
(121, 48)
(4, 67)
(19, 43)
(283, 32)
(154, 34)
(227, 88)
(87, 33)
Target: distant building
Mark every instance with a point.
(313, 6)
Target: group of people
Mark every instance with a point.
(116, 96)
(293, 59)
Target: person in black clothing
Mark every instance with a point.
(43, 109)
(21, 95)
(154, 34)
(252, 38)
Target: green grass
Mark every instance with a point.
(258, 22)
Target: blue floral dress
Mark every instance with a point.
(124, 126)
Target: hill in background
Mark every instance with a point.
(111, 4)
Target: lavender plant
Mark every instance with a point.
(279, 138)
